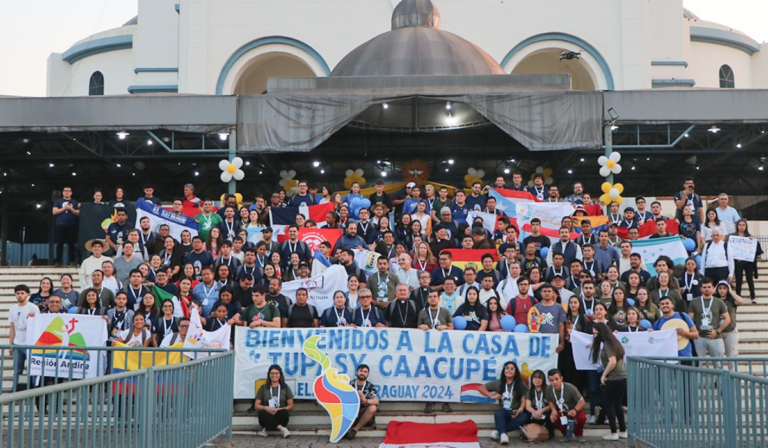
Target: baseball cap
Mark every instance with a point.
(267, 230)
(410, 185)
(303, 264)
(629, 209)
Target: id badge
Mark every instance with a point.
(507, 405)
(366, 323)
(563, 420)
(205, 302)
(689, 297)
(341, 322)
(274, 402)
(704, 322)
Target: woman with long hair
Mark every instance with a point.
(730, 333)
(534, 274)
(690, 280)
(605, 292)
(148, 309)
(245, 217)
(215, 240)
(648, 310)
(268, 275)
(353, 288)
(223, 276)
(510, 391)
(536, 404)
(274, 402)
(185, 245)
(292, 271)
(424, 259)
(495, 314)
(712, 223)
(69, 297)
(473, 311)
(416, 231)
(45, 290)
(403, 229)
(575, 321)
(608, 351)
(746, 267)
(633, 285)
(325, 195)
(277, 262)
(137, 335)
(423, 216)
(619, 307)
(188, 272)
(92, 305)
(185, 296)
(633, 321)
(666, 289)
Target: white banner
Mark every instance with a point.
(649, 344)
(320, 287)
(158, 216)
(742, 247)
(197, 338)
(550, 213)
(405, 365)
(366, 260)
(67, 330)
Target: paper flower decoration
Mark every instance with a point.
(611, 193)
(546, 172)
(610, 164)
(231, 170)
(354, 176)
(473, 176)
(289, 184)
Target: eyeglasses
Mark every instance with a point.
(366, 297)
(183, 326)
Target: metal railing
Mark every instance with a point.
(679, 405)
(177, 405)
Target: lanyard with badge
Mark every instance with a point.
(539, 401)
(590, 268)
(539, 194)
(341, 321)
(689, 286)
(230, 229)
(435, 320)
(507, 397)
(591, 310)
(207, 293)
(274, 400)
(383, 287)
(705, 313)
(167, 329)
(366, 319)
(561, 405)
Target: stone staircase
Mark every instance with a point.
(310, 419)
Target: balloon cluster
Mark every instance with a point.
(231, 170)
(357, 204)
(609, 164)
(238, 197)
(611, 193)
(473, 176)
(546, 172)
(354, 176)
(289, 184)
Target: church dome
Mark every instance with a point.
(417, 46)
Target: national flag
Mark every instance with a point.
(596, 221)
(287, 215)
(470, 393)
(314, 236)
(127, 361)
(550, 214)
(593, 210)
(552, 234)
(96, 218)
(446, 435)
(461, 258)
(320, 258)
(490, 220)
(506, 200)
(319, 287)
(159, 216)
(197, 338)
(367, 260)
(651, 249)
(649, 228)
(161, 295)
(190, 209)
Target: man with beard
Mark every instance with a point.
(274, 297)
(369, 401)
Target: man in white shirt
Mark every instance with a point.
(406, 273)
(487, 291)
(18, 315)
(717, 259)
(93, 262)
(727, 214)
(110, 281)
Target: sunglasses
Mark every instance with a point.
(183, 326)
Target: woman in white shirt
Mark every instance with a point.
(713, 222)
(423, 217)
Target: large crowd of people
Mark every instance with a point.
(594, 283)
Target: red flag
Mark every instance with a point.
(649, 228)
(313, 237)
(448, 435)
(514, 194)
(594, 210)
(462, 257)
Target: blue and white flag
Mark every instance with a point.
(651, 249)
(367, 260)
(158, 216)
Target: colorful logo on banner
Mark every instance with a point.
(58, 333)
(333, 392)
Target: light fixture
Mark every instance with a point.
(322, 171)
(315, 163)
(697, 168)
(197, 173)
(223, 135)
(613, 114)
(570, 55)
(149, 142)
(383, 174)
(633, 168)
(451, 120)
(122, 134)
(73, 173)
(29, 153)
(33, 185)
(570, 171)
(686, 135)
(26, 140)
(450, 161)
(506, 170)
(448, 105)
(384, 106)
(247, 163)
(119, 165)
(614, 128)
(760, 168)
(133, 174)
(738, 145)
(50, 165)
(647, 159)
(512, 160)
(446, 170)
(261, 172)
(378, 162)
(582, 159)
(39, 206)
(714, 129)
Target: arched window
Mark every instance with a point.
(96, 85)
(726, 78)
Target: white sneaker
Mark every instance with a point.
(623, 435)
(263, 432)
(504, 439)
(285, 432)
(592, 420)
(611, 437)
(495, 435)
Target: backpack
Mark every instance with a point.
(144, 334)
(534, 432)
(725, 249)
(310, 306)
(377, 312)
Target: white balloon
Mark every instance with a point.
(472, 172)
(359, 172)
(605, 171)
(602, 160)
(539, 169)
(223, 165)
(616, 169)
(615, 156)
(614, 193)
(548, 181)
(226, 177)
(283, 173)
(281, 183)
(349, 173)
(292, 174)
(239, 175)
(530, 183)
(480, 173)
(238, 162)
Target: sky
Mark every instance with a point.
(30, 30)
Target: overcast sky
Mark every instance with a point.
(30, 30)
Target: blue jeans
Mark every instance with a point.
(19, 362)
(506, 423)
(596, 395)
